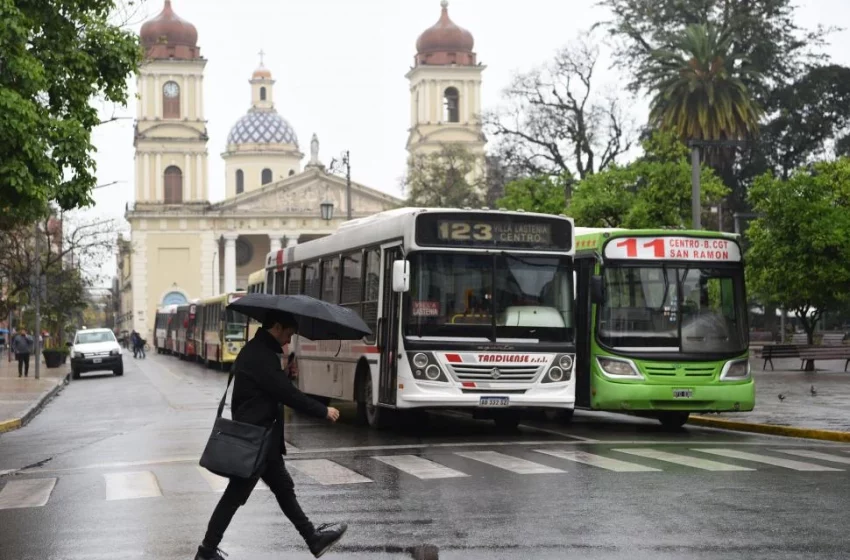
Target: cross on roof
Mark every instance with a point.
(262, 54)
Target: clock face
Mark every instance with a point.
(171, 89)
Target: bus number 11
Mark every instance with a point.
(631, 246)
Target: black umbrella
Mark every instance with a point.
(317, 319)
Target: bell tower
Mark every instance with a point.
(445, 90)
(171, 132)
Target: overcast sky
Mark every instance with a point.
(340, 66)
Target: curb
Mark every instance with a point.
(35, 408)
(771, 429)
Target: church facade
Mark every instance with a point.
(184, 247)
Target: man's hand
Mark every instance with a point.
(292, 368)
(333, 414)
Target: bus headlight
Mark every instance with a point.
(736, 370)
(433, 372)
(425, 367)
(565, 362)
(618, 368)
(555, 375)
(420, 360)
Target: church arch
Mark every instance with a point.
(266, 176)
(263, 93)
(451, 98)
(174, 297)
(173, 180)
(240, 181)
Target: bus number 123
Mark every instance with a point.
(631, 246)
(457, 231)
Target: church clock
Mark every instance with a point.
(171, 90)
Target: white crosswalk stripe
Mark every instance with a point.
(815, 455)
(768, 460)
(685, 460)
(327, 472)
(419, 467)
(606, 463)
(131, 485)
(219, 483)
(26, 493)
(508, 463)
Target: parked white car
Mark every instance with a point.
(96, 350)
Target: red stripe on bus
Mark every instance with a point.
(310, 347)
(453, 358)
(279, 259)
(366, 349)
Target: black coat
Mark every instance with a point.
(261, 388)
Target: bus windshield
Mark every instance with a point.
(496, 297)
(665, 308)
(235, 328)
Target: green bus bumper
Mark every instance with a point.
(717, 397)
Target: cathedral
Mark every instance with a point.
(182, 246)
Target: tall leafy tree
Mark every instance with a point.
(536, 194)
(449, 178)
(55, 59)
(698, 87)
(799, 248)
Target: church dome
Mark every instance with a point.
(262, 127)
(169, 36)
(445, 42)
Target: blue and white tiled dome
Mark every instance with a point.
(262, 127)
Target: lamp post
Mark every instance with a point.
(345, 162)
(327, 208)
(695, 145)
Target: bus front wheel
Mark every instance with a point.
(560, 415)
(673, 420)
(368, 413)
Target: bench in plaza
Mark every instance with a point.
(770, 351)
(809, 354)
(831, 348)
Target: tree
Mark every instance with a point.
(651, 192)
(57, 58)
(542, 193)
(555, 122)
(698, 87)
(799, 248)
(449, 178)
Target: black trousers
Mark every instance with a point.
(23, 364)
(239, 490)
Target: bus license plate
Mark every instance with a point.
(98, 360)
(494, 401)
(683, 393)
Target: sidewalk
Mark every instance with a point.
(22, 398)
(824, 415)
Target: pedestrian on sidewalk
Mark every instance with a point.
(134, 341)
(22, 346)
(260, 390)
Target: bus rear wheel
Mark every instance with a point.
(673, 420)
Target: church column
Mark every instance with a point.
(160, 188)
(188, 185)
(230, 261)
(184, 98)
(292, 241)
(274, 243)
(157, 98)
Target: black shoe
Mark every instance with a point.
(325, 537)
(209, 554)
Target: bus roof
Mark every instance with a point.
(221, 297)
(383, 226)
(256, 277)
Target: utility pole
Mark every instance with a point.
(347, 162)
(696, 220)
(37, 333)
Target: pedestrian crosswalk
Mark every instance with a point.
(368, 471)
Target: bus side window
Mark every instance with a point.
(372, 284)
(330, 280)
(294, 284)
(270, 280)
(279, 282)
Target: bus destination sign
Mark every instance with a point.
(484, 231)
(673, 248)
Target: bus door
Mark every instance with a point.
(388, 328)
(585, 268)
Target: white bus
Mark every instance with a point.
(470, 310)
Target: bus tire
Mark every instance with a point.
(559, 415)
(367, 413)
(672, 420)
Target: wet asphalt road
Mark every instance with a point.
(109, 470)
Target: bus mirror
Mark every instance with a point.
(401, 276)
(597, 294)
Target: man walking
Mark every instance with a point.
(22, 346)
(260, 390)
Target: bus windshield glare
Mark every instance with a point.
(492, 296)
(663, 308)
(235, 328)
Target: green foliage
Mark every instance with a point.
(698, 87)
(799, 249)
(57, 57)
(536, 194)
(653, 191)
(449, 178)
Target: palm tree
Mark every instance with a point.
(700, 88)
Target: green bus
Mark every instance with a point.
(661, 320)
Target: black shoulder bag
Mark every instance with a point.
(235, 449)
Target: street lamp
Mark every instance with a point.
(695, 145)
(327, 208)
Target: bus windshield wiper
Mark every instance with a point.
(523, 261)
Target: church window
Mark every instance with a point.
(262, 94)
(452, 105)
(173, 185)
(171, 100)
(240, 181)
(267, 176)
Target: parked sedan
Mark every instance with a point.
(96, 350)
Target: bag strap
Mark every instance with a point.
(224, 396)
